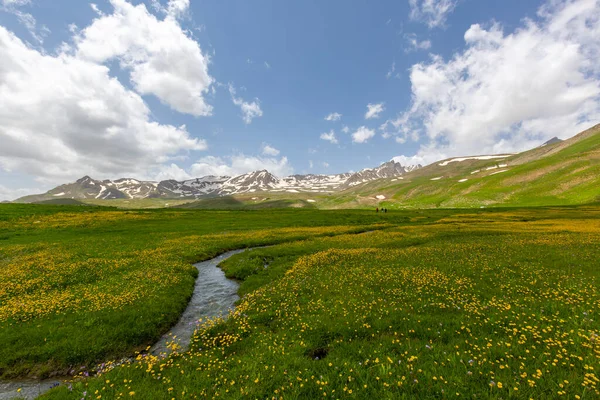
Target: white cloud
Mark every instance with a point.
(162, 59)
(267, 65)
(414, 160)
(362, 134)
(174, 9)
(155, 4)
(330, 137)
(17, 3)
(325, 164)
(345, 129)
(333, 117)
(177, 8)
(26, 19)
(62, 116)
(240, 164)
(269, 150)
(172, 171)
(11, 194)
(373, 110)
(310, 164)
(414, 44)
(507, 92)
(94, 7)
(249, 110)
(431, 12)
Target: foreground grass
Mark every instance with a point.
(500, 304)
(80, 285)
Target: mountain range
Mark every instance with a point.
(87, 188)
(558, 172)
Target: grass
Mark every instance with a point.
(80, 285)
(496, 303)
(138, 203)
(558, 174)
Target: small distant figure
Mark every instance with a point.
(377, 210)
(385, 210)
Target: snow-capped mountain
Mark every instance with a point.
(389, 169)
(256, 181)
(132, 188)
(200, 187)
(320, 183)
(215, 186)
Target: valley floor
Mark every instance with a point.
(497, 303)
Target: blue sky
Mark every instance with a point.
(215, 87)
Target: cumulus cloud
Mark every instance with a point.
(61, 115)
(177, 8)
(362, 134)
(345, 129)
(419, 159)
(329, 136)
(373, 110)
(433, 13)
(249, 110)
(172, 171)
(507, 92)
(174, 8)
(333, 117)
(269, 150)
(240, 164)
(163, 60)
(415, 44)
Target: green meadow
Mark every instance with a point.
(443, 303)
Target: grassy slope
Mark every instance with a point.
(259, 201)
(138, 203)
(83, 284)
(562, 173)
(479, 304)
(245, 201)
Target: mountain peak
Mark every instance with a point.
(84, 179)
(389, 169)
(552, 141)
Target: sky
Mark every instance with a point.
(177, 89)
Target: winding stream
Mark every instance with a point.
(213, 295)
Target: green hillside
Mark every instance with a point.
(562, 173)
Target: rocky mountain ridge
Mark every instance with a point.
(216, 186)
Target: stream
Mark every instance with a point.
(213, 295)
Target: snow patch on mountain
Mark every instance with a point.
(459, 159)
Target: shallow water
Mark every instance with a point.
(213, 295)
(30, 389)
